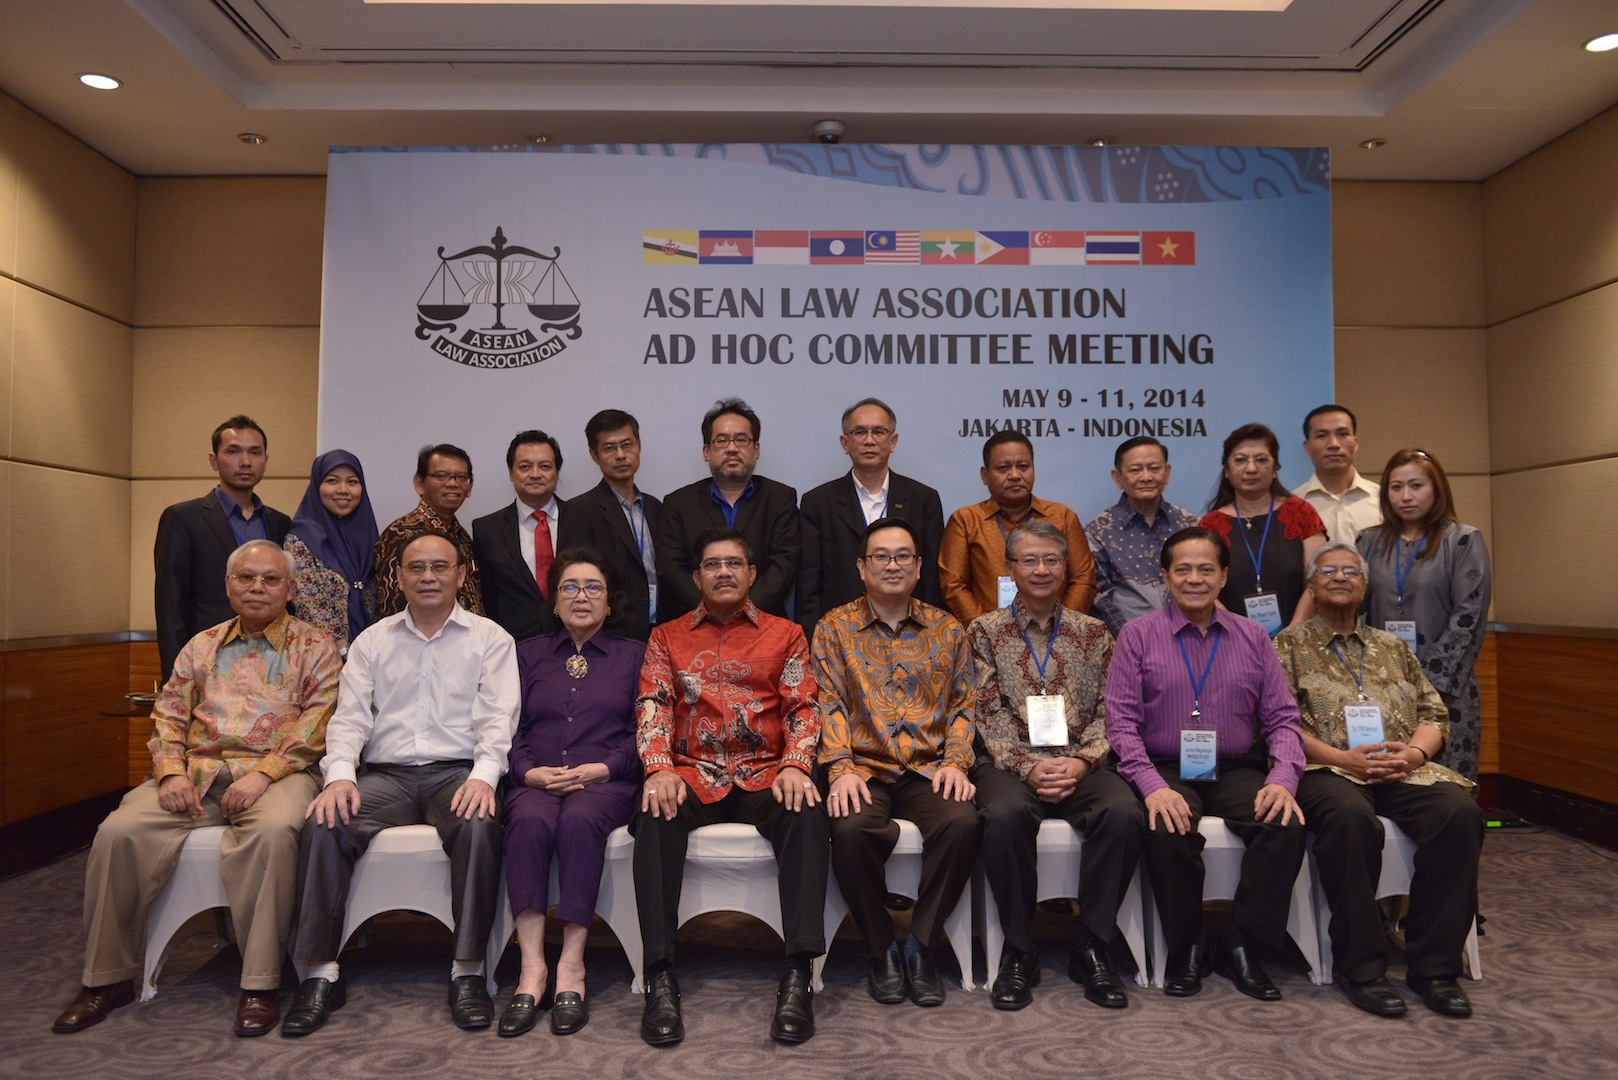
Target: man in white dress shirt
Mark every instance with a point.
(1346, 501)
(428, 704)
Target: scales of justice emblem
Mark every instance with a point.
(496, 275)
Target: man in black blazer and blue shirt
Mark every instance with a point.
(195, 537)
(835, 514)
(619, 521)
(514, 547)
(763, 511)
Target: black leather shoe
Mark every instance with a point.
(1183, 975)
(1444, 996)
(1013, 988)
(521, 1014)
(93, 1005)
(926, 988)
(887, 982)
(1239, 964)
(1091, 968)
(569, 1013)
(469, 1004)
(1375, 996)
(794, 1020)
(317, 999)
(660, 1022)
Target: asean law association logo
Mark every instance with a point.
(488, 285)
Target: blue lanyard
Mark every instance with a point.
(1403, 566)
(640, 533)
(1359, 678)
(1196, 683)
(1258, 569)
(1056, 628)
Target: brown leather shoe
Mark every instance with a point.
(92, 1006)
(257, 1013)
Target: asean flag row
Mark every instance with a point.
(917, 247)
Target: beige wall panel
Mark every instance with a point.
(1425, 388)
(6, 557)
(147, 500)
(1407, 254)
(69, 570)
(1549, 576)
(1553, 384)
(1474, 505)
(75, 220)
(230, 252)
(72, 386)
(1550, 222)
(187, 381)
(8, 314)
(9, 112)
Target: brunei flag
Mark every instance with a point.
(665, 246)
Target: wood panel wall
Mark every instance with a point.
(1557, 699)
(58, 749)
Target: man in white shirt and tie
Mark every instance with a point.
(428, 705)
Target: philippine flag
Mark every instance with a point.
(1112, 248)
(781, 247)
(1002, 249)
(725, 247)
(1050, 247)
(836, 248)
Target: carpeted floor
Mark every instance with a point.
(1547, 1008)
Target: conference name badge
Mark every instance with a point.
(1008, 591)
(1364, 723)
(1265, 609)
(1404, 630)
(1047, 720)
(1199, 754)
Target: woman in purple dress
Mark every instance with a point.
(574, 777)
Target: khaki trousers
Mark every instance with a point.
(135, 852)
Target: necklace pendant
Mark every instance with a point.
(577, 666)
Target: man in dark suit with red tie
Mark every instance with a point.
(619, 520)
(514, 547)
(195, 537)
(835, 514)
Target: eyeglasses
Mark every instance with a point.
(713, 566)
(445, 477)
(1258, 461)
(592, 589)
(1034, 562)
(860, 433)
(1349, 573)
(439, 568)
(269, 581)
(883, 558)
(740, 442)
(610, 448)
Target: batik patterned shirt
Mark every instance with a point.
(893, 701)
(1129, 575)
(246, 704)
(727, 704)
(390, 547)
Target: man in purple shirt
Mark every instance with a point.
(1190, 690)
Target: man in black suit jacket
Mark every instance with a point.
(503, 543)
(619, 521)
(835, 514)
(763, 511)
(195, 537)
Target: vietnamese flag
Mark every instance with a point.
(1168, 248)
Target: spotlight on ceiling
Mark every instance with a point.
(1101, 140)
(539, 140)
(97, 81)
(1373, 144)
(253, 138)
(1604, 43)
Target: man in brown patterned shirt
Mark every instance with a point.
(444, 482)
(1041, 668)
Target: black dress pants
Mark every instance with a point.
(1269, 865)
(801, 844)
(398, 795)
(862, 842)
(1103, 809)
(1447, 827)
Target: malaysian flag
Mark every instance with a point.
(901, 247)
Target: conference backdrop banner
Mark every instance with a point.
(1080, 295)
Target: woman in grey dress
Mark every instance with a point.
(1430, 584)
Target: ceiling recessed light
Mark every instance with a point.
(1100, 140)
(1604, 43)
(539, 140)
(253, 138)
(97, 81)
(1373, 144)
